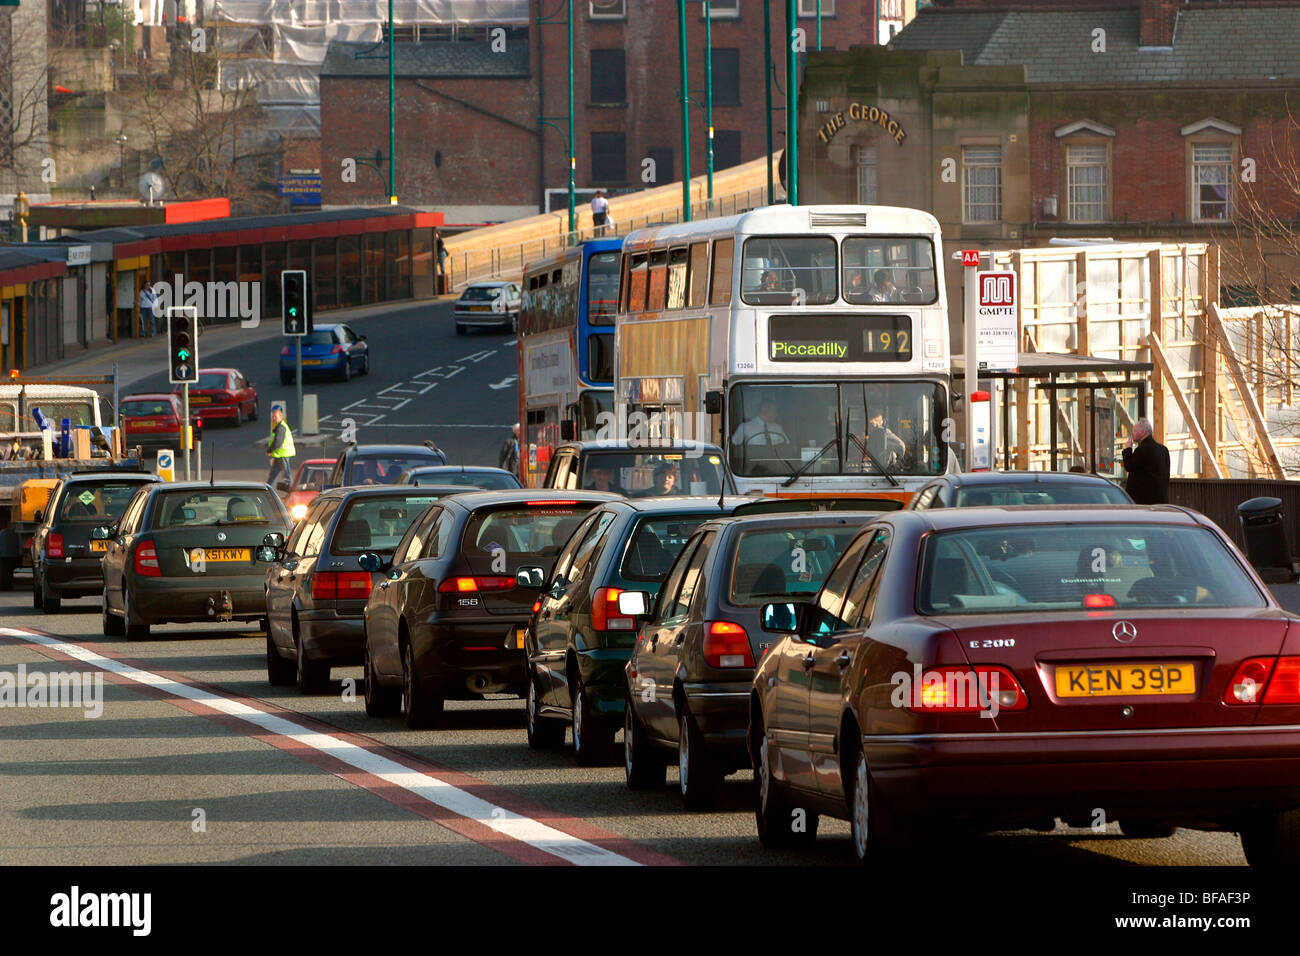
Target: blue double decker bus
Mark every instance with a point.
(566, 349)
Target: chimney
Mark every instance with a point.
(1156, 22)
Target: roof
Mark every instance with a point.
(215, 486)
(458, 470)
(945, 519)
(437, 59)
(799, 519)
(640, 448)
(1210, 45)
(683, 504)
(1035, 364)
(389, 491)
(1027, 477)
(162, 395)
(508, 496)
(364, 450)
(81, 477)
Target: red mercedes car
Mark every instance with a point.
(222, 394)
(999, 668)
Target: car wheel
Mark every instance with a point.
(777, 821)
(50, 605)
(113, 626)
(36, 590)
(239, 416)
(365, 364)
(700, 779)
(286, 378)
(1273, 839)
(137, 629)
(592, 737)
(381, 701)
(279, 671)
(643, 767)
(867, 823)
(421, 706)
(252, 415)
(345, 375)
(7, 575)
(311, 676)
(544, 733)
(460, 329)
(1146, 829)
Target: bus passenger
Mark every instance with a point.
(885, 290)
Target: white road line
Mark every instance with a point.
(427, 387)
(524, 829)
(477, 357)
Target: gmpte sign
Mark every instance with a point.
(212, 300)
(656, 430)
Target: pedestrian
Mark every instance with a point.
(147, 317)
(509, 456)
(599, 211)
(440, 249)
(279, 448)
(1147, 464)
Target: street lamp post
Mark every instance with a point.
(767, 93)
(708, 92)
(686, 114)
(392, 113)
(121, 151)
(791, 106)
(573, 160)
(819, 26)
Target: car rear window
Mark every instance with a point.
(780, 563)
(634, 474)
(386, 469)
(1045, 493)
(314, 477)
(320, 338)
(502, 539)
(483, 293)
(140, 409)
(212, 380)
(376, 523)
(487, 480)
(195, 509)
(93, 502)
(655, 545)
(1065, 567)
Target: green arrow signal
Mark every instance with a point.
(183, 355)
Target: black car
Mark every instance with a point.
(982, 489)
(577, 641)
(633, 470)
(65, 559)
(688, 679)
(316, 593)
(448, 620)
(187, 552)
(381, 464)
(487, 479)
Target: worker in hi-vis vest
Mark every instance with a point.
(279, 448)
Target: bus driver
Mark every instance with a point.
(762, 430)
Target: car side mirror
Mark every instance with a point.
(370, 561)
(634, 603)
(267, 555)
(530, 578)
(39, 516)
(289, 562)
(102, 533)
(783, 617)
(273, 540)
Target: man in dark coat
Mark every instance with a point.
(1147, 464)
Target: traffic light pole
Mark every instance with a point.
(185, 427)
(297, 348)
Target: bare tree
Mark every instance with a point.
(24, 82)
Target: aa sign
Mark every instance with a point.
(997, 323)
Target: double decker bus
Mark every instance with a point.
(810, 342)
(566, 349)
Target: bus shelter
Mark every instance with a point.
(1059, 411)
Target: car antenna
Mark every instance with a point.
(212, 474)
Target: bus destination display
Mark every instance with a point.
(840, 338)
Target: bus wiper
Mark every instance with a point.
(834, 442)
(866, 452)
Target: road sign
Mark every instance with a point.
(183, 344)
(295, 302)
(166, 464)
(997, 323)
(970, 257)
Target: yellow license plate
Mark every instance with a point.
(199, 399)
(228, 554)
(99, 546)
(519, 637)
(1139, 678)
(311, 361)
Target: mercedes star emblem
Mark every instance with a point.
(1124, 631)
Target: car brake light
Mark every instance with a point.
(146, 560)
(1265, 680)
(340, 585)
(952, 690)
(726, 645)
(604, 612)
(286, 351)
(54, 545)
(547, 504)
(1099, 600)
(479, 583)
(537, 605)
(338, 349)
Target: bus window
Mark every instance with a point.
(889, 269)
(677, 278)
(723, 250)
(777, 268)
(699, 275)
(636, 283)
(602, 287)
(658, 294)
(600, 357)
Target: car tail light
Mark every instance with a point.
(146, 560)
(1098, 600)
(338, 349)
(54, 545)
(469, 585)
(286, 351)
(547, 504)
(537, 605)
(726, 645)
(604, 612)
(951, 690)
(340, 585)
(1265, 680)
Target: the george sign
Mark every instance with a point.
(862, 113)
(166, 464)
(997, 323)
(970, 258)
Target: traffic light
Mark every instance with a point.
(296, 301)
(183, 343)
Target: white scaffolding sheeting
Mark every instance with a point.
(320, 12)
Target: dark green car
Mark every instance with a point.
(186, 552)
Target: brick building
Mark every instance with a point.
(469, 139)
(1021, 122)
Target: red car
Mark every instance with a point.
(985, 669)
(307, 484)
(151, 420)
(222, 394)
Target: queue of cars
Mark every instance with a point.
(1009, 650)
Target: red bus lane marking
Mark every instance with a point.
(485, 813)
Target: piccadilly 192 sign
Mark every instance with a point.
(861, 113)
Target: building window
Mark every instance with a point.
(981, 183)
(608, 158)
(1211, 181)
(608, 9)
(726, 148)
(1086, 182)
(608, 77)
(662, 168)
(726, 77)
(723, 9)
(808, 8)
(866, 164)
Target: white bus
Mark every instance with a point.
(811, 342)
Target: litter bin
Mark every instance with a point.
(1264, 528)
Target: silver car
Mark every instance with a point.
(494, 304)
